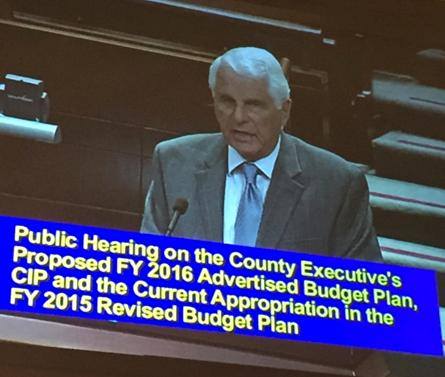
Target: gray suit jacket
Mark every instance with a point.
(317, 202)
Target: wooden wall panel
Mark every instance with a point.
(70, 173)
(42, 209)
(112, 83)
(113, 105)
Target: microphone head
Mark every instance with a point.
(181, 205)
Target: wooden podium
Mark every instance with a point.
(36, 347)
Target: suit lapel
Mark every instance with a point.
(210, 186)
(284, 193)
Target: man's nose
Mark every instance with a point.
(239, 114)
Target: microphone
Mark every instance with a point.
(179, 208)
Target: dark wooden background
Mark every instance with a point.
(123, 75)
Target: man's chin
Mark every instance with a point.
(248, 152)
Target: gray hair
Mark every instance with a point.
(253, 62)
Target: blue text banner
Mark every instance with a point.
(79, 271)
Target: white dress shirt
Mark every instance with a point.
(235, 184)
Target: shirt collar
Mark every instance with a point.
(265, 164)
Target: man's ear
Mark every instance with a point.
(285, 111)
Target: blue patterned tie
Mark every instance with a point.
(250, 208)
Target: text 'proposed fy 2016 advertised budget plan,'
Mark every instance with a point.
(78, 271)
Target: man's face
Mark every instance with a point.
(247, 114)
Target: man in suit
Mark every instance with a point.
(252, 183)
